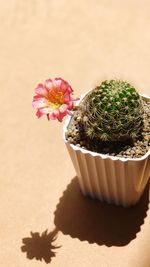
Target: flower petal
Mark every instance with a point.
(57, 83)
(39, 102)
(41, 90)
(63, 108)
(39, 114)
(54, 115)
(49, 84)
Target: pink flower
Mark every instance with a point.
(54, 99)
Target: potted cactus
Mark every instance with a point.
(107, 136)
(109, 144)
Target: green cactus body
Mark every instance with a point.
(112, 112)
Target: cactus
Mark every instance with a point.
(112, 112)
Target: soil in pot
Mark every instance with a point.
(135, 149)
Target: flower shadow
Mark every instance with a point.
(40, 246)
(96, 222)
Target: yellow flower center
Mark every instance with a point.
(55, 98)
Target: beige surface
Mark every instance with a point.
(83, 42)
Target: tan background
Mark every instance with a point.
(84, 42)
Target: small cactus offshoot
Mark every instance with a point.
(112, 112)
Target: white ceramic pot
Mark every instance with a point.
(109, 178)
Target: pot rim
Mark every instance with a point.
(95, 154)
